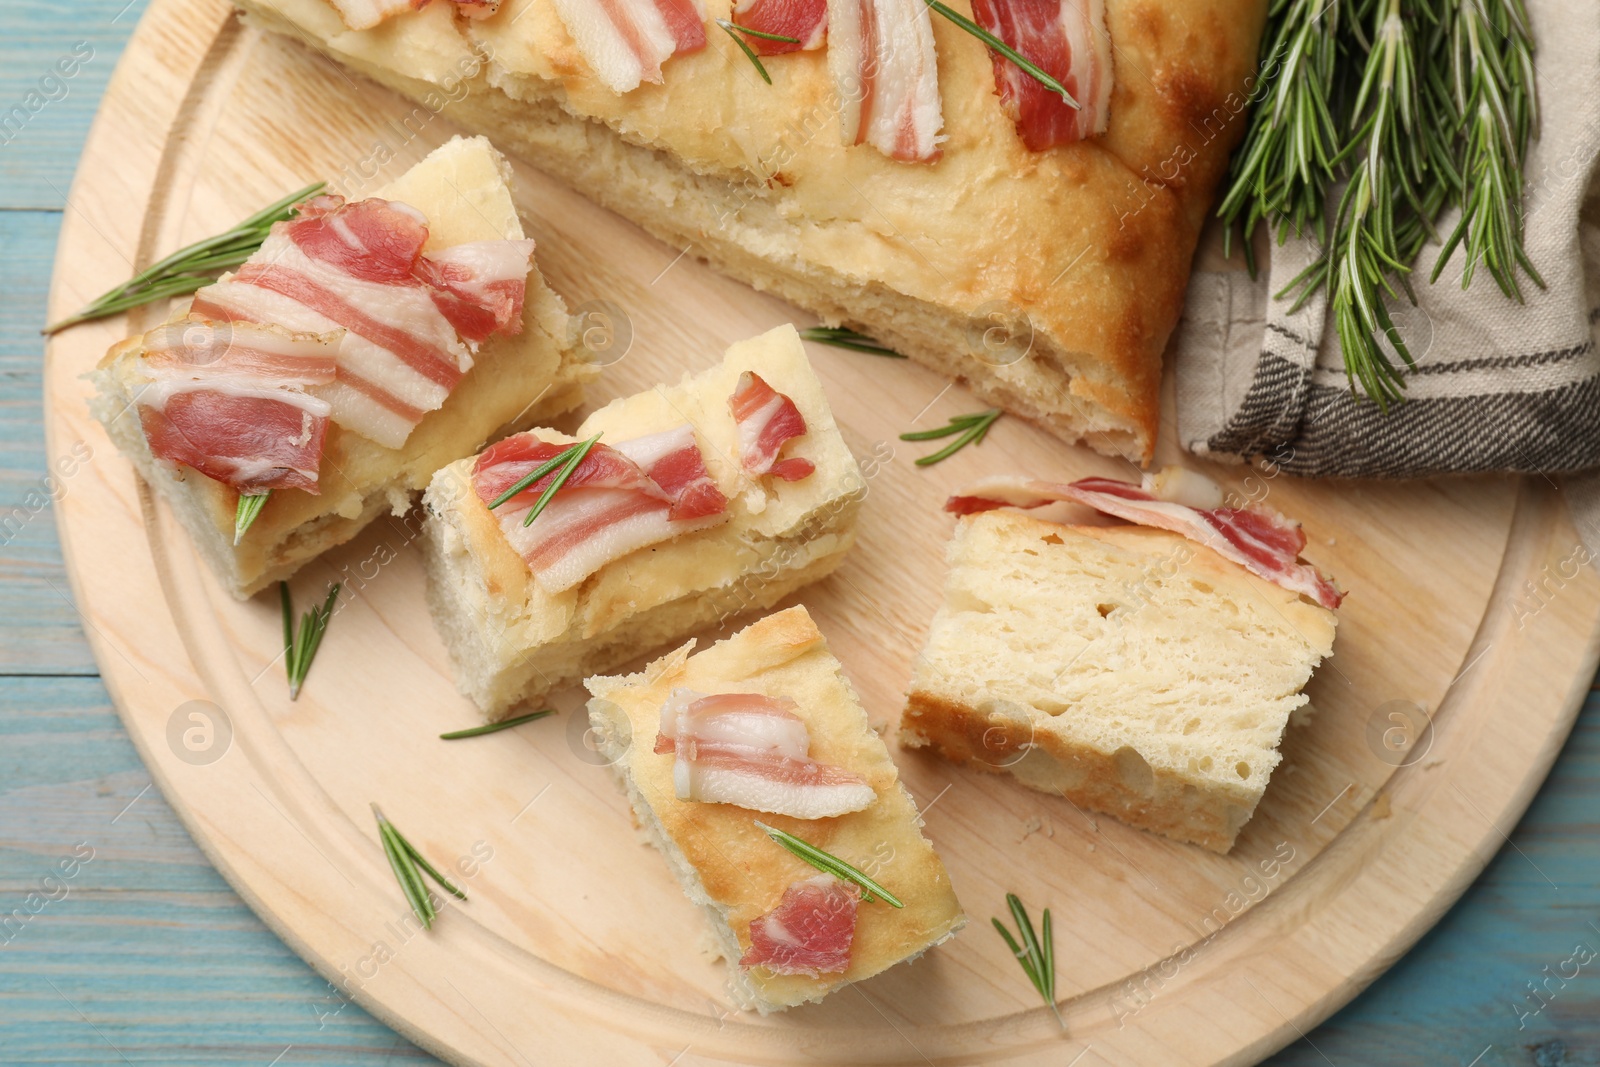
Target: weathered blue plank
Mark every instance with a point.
(54, 63)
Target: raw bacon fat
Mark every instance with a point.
(885, 72)
(410, 322)
(1263, 542)
(230, 401)
(616, 501)
(810, 931)
(767, 420)
(804, 20)
(626, 41)
(752, 751)
(1067, 40)
(365, 14)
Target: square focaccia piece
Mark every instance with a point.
(514, 636)
(788, 934)
(1047, 281)
(515, 380)
(1129, 669)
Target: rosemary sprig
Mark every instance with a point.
(1491, 53)
(300, 649)
(1036, 954)
(190, 268)
(1416, 105)
(409, 865)
(250, 505)
(831, 864)
(972, 429)
(566, 461)
(734, 31)
(496, 727)
(839, 337)
(1022, 62)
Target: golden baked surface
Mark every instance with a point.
(1091, 241)
(742, 870)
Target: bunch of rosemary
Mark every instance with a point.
(1414, 106)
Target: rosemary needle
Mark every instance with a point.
(972, 428)
(831, 864)
(299, 650)
(250, 505)
(566, 461)
(1036, 954)
(409, 865)
(839, 337)
(750, 53)
(1006, 50)
(496, 727)
(193, 267)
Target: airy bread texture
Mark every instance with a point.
(514, 382)
(1048, 282)
(1129, 669)
(724, 861)
(512, 640)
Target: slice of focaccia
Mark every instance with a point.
(515, 380)
(516, 631)
(788, 935)
(1047, 280)
(1129, 669)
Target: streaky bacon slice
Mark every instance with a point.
(885, 73)
(1261, 541)
(1066, 39)
(410, 322)
(626, 41)
(767, 419)
(810, 932)
(229, 401)
(673, 460)
(804, 20)
(752, 751)
(609, 506)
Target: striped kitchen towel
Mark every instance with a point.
(1499, 386)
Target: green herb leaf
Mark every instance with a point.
(839, 337)
(299, 651)
(831, 864)
(1006, 50)
(191, 268)
(409, 865)
(972, 428)
(1036, 955)
(250, 505)
(750, 53)
(575, 454)
(496, 727)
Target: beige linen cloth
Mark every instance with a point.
(1498, 387)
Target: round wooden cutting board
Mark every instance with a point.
(576, 946)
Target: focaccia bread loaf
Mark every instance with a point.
(1129, 669)
(724, 861)
(515, 382)
(1048, 282)
(512, 640)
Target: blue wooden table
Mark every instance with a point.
(144, 955)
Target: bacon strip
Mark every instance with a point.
(612, 503)
(810, 931)
(804, 20)
(1066, 39)
(767, 420)
(1263, 542)
(230, 402)
(410, 322)
(885, 72)
(626, 41)
(752, 751)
